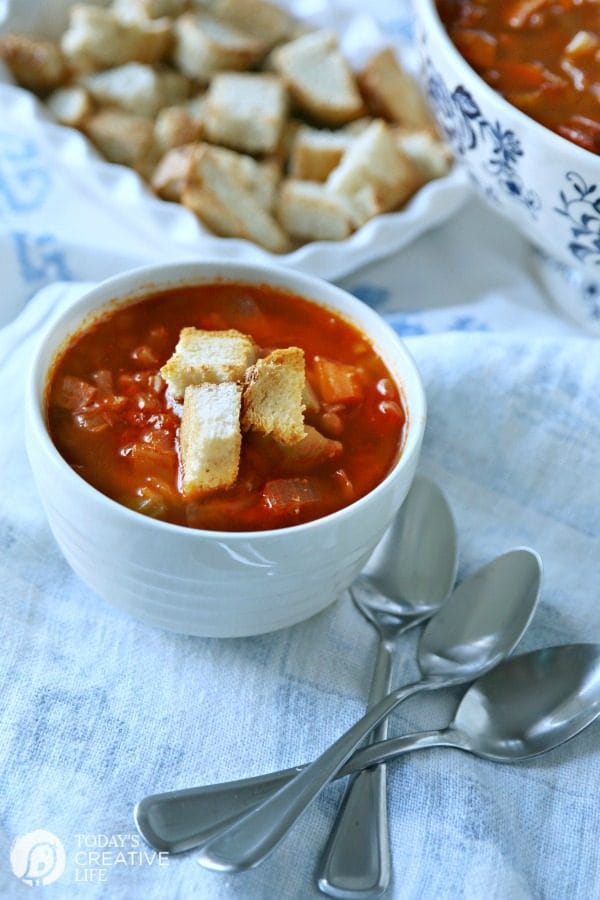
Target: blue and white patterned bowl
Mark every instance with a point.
(547, 186)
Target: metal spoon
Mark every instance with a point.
(480, 625)
(406, 581)
(526, 706)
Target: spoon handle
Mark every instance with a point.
(250, 840)
(180, 820)
(357, 861)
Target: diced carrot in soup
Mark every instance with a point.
(476, 46)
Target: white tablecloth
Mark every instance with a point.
(98, 710)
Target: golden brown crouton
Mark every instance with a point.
(98, 38)
(208, 356)
(273, 396)
(36, 64)
(171, 174)
(217, 194)
(70, 106)
(374, 176)
(204, 45)
(309, 212)
(319, 78)
(122, 137)
(392, 93)
(246, 111)
(210, 438)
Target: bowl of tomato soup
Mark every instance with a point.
(298, 520)
(515, 87)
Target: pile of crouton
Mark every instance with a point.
(234, 109)
(220, 387)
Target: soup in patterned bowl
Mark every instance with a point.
(515, 87)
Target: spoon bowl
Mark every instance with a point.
(531, 703)
(413, 568)
(465, 638)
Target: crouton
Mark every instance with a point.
(98, 38)
(259, 18)
(210, 439)
(148, 9)
(207, 356)
(176, 126)
(272, 401)
(220, 199)
(122, 137)
(316, 152)
(70, 106)
(36, 64)
(319, 78)
(374, 168)
(170, 176)
(246, 111)
(392, 93)
(431, 156)
(137, 88)
(258, 178)
(204, 46)
(308, 212)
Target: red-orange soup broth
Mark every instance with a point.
(542, 55)
(109, 417)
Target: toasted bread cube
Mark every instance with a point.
(98, 38)
(319, 78)
(208, 356)
(175, 126)
(170, 176)
(273, 396)
(204, 46)
(217, 194)
(258, 178)
(148, 9)
(36, 64)
(122, 137)
(136, 88)
(316, 152)
(392, 93)
(309, 212)
(431, 156)
(259, 18)
(246, 111)
(70, 106)
(210, 439)
(375, 168)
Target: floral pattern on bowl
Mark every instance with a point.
(465, 127)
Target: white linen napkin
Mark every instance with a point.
(99, 710)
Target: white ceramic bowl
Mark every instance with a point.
(210, 583)
(547, 186)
